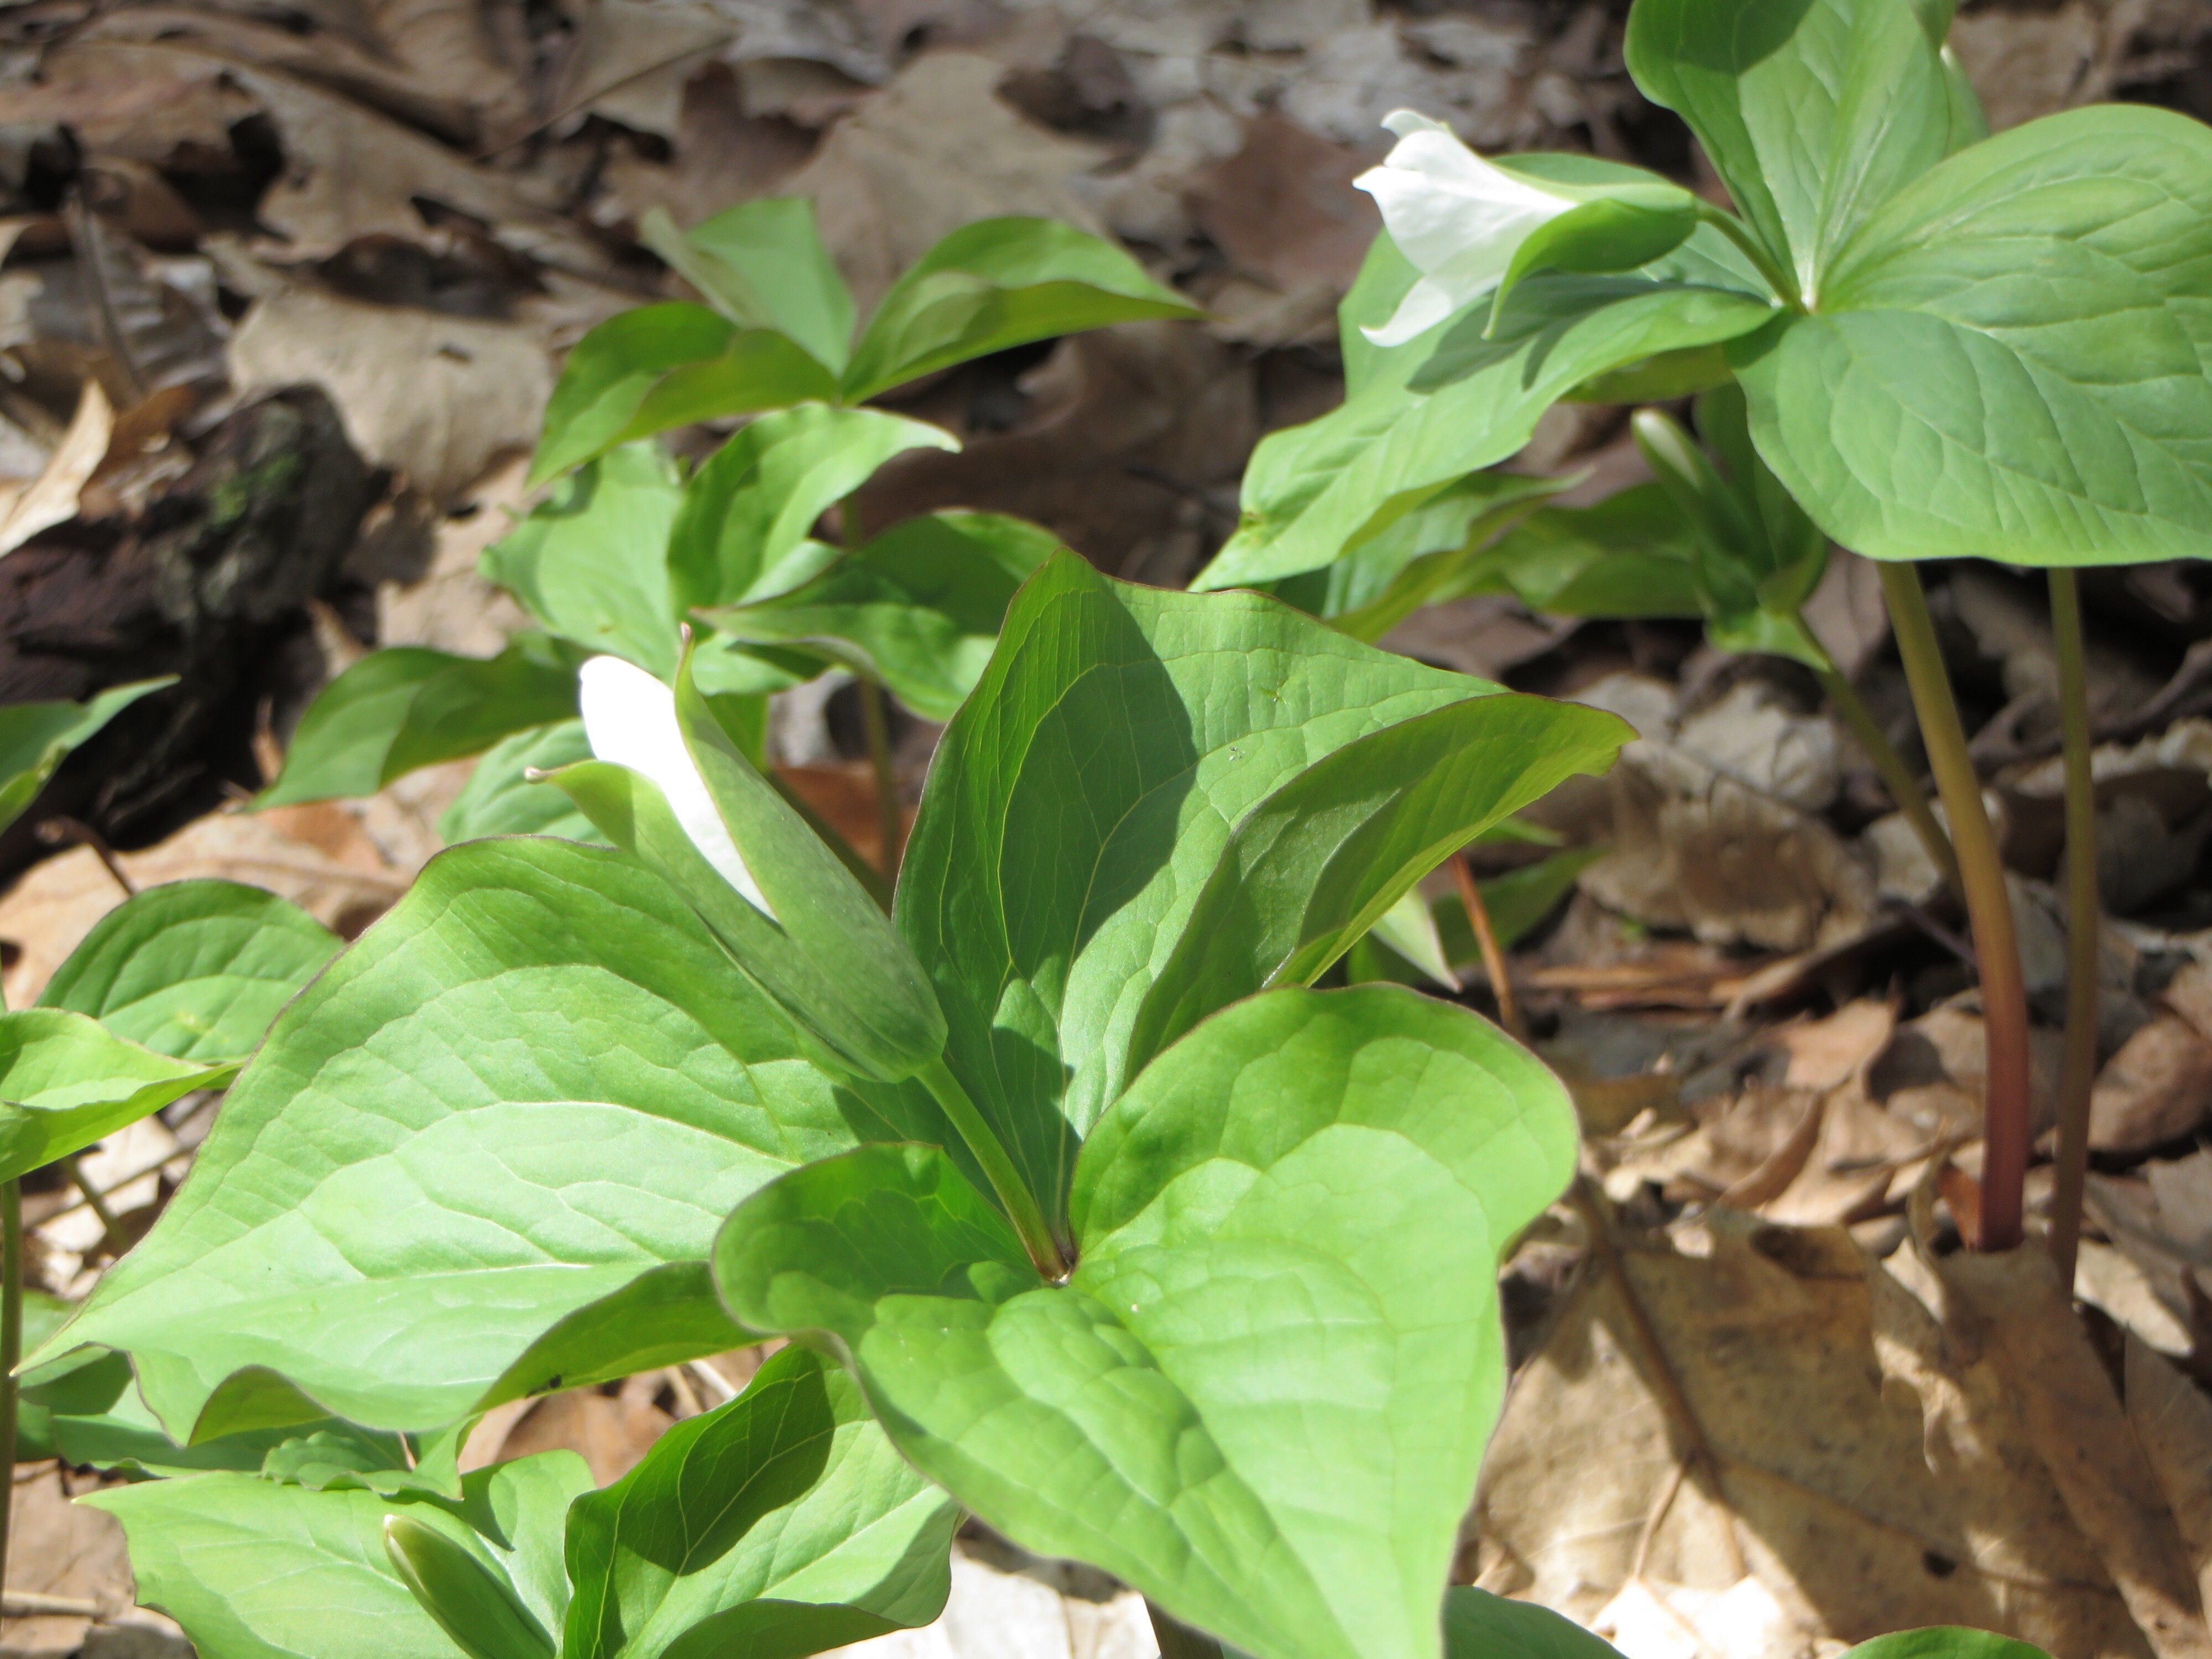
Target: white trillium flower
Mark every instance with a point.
(630, 718)
(1459, 220)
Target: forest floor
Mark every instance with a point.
(1763, 1406)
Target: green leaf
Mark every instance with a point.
(762, 265)
(660, 366)
(2012, 357)
(1486, 505)
(1945, 1642)
(36, 736)
(470, 1600)
(1813, 112)
(499, 800)
(1608, 233)
(780, 1525)
(256, 1569)
(1385, 275)
(1631, 555)
(1410, 930)
(673, 792)
(534, 1081)
(1459, 404)
(1320, 861)
(193, 969)
(918, 609)
(592, 562)
(1262, 1397)
(1090, 793)
(65, 1082)
(1481, 1625)
(997, 283)
(398, 710)
(746, 528)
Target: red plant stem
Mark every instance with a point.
(2077, 1073)
(1989, 908)
(1486, 940)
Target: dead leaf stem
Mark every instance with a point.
(1485, 940)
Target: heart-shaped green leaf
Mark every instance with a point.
(256, 1569)
(2011, 357)
(1087, 795)
(194, 970)
(744, 530)
(65, 1081)
(1262, 1397)
(1457, 400)
(591, 563)
(781, 1524)
(535, 1081)
(762, 265)
(917, 609)
(36, 736)
(661, 367)
(1815, 112)
(997, 283)
(410, 707)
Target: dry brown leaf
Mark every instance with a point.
(1846, 1176)
(450, 607)
(934, 151)
(1807, 1374)
(2112, 1281)
(2173, 1420)
(2156, 1089)
(630, 59)
(50, 910)
(612, 1432)
(1284, 210)
(51, 498)
(1933, 1072)
(2015, 1301)
(440, 398)
(1823, 1052)
(2161, 1220)
(61, 1548)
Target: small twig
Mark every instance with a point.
(58, 831)
(1955, 943)
(716, 1384)
(1694, 1448)
(1485, 940)
(31, 1604)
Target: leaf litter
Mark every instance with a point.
(1785, 1412)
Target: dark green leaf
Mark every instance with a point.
(499, 800)
(746, 525)
(1262, 1397)
(1631, 555)
(1481, 1625)
(2012, 358)
(193, 969)
(762, 264)
(1815, 112)
(666, 366)
(398, 710)
(1080, 802)
(535, 1081)
(781, 1524)
(467, 1597)
(1945, 1642)
(918, 609)
(592, 562)
(1606, 234)
(35, 738)
(996, 283)
(1456, 405)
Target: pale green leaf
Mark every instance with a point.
(193, 969)
(65, 1082)
(36, 736)
(762, 265)
(535, 1081)
(997, 283)
(499, 800)
(1262, 1397)
(745, 527)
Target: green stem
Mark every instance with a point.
(1896, 776)
(876, 721)
(1989, 909)
(1014, 1195)
(1178, 1640)
(2078, 1068)
(1736, 231)
(11, 1345)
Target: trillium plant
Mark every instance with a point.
(1946, 344)
(1083, 1211)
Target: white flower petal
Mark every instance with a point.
(630, 718)
(1455, 217)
